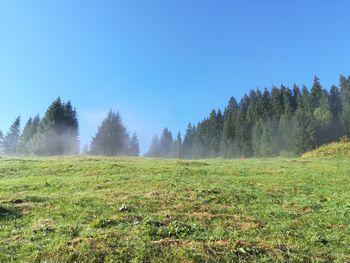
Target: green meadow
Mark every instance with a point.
(97, 209)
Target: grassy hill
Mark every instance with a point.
(335, 149)
(91, 209)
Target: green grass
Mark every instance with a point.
(89, 209)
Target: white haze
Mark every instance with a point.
(145, 128)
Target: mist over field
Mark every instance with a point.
(175, 131)
(280, 121)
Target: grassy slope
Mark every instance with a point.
(66, 209)
(335, 149)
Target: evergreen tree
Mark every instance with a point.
(277, 102)
(336, 128)
(316, 94)
(303, 132)
(287, 100)
(265, 138)
(305, 99)
(285, 134)
(256, 138)
(228, 146)
(1, 143)
(111, 138)
(187, 146)
(266, 110)
(335, 103)
(178, 146)
(323, 118)
(29, 131)
(154, 150)
(58, 131)
(244, 128)
(71, 129)
(345, 93)
(134, 146)
(12, 137)
(296, 98)
(166, 143)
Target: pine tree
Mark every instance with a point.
(166, 143)
(277, 102)
(316, 94)
(154, 150)
(285, 134)
(244, 128)
(345, 93)
(303, 132)
(336, 129)
(178, 146)
(12, 137)
(287, 100)
(335, 103)
(1, 143)
(266, 105)
(296, 98)
(111, 138)
(134, 146)
(187, 145)
(228, 146)
(58, 131)
(256, 138)
(305, 99)
(29, 131)
(71, 129)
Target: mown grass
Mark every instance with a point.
(90, 209)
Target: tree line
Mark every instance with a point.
(265, 123)
(57, 133)
(268, 122)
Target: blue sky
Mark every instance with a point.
(162, 63)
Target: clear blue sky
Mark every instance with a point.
(162, 63)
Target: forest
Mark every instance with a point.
(279, 121)
(264, 123)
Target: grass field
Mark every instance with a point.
(90, 209)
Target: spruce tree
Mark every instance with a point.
(277, 104)
(266, 105)
(29, 131)
(187, 145)
(154, 150)
(111, 138)
(316, 94)
(58, 131)
(256, 138)
(1, 143)
(335, 103)
(345, 93)
(178, 146)
(134, 146)
(244, 127)
(284, 141)
(166, 143)
(12, 137)
(303, 132)
(228, 146)
(336, 129)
